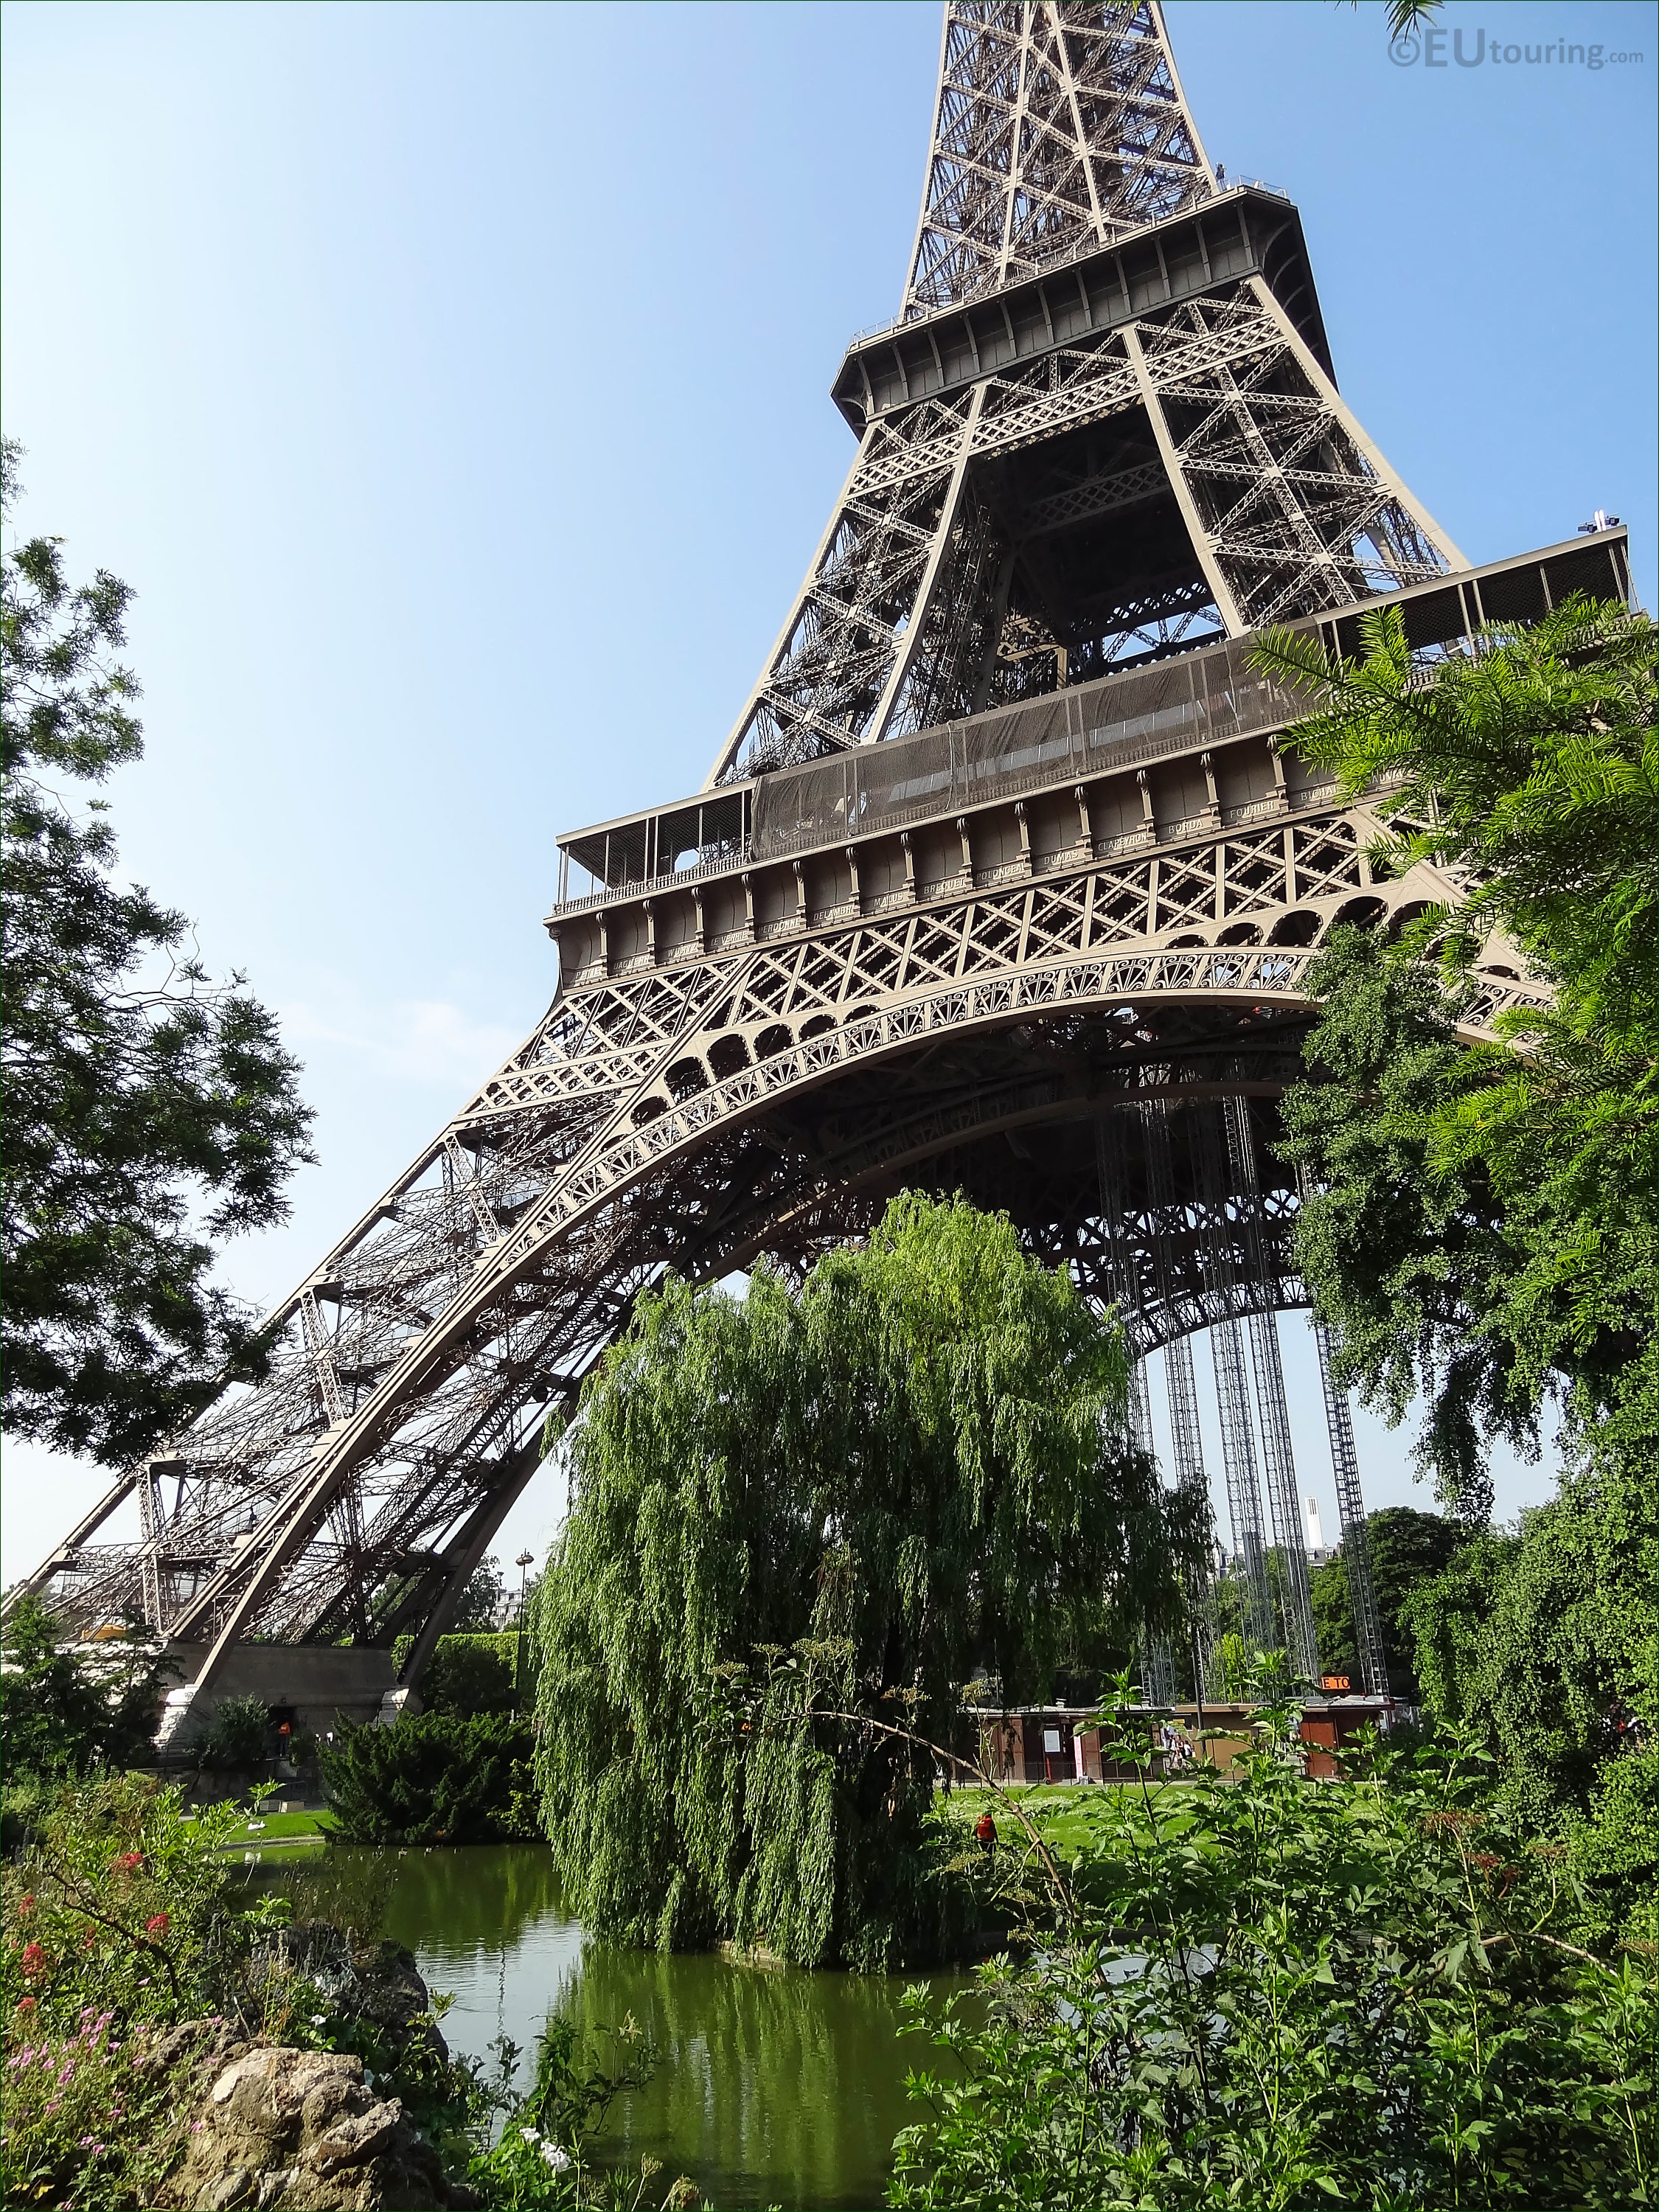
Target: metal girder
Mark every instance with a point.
(1055, 127)
(414, 1365)
(1116, 488)
(1351, 1513)
(1273, 1417)
(1061, 130)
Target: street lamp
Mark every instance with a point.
(524, 1563)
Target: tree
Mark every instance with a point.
(1408, 1548)
(480, 1603)
(150, 1112)
(65, 1712)
(797, 1522)
(1480, 1227)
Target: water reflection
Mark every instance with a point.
(772, 2086)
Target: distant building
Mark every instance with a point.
(1318, 1550)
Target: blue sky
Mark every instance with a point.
(451, 383)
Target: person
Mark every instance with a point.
(985, 1829)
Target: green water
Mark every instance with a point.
(771, 2086)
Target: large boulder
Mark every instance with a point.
(303, 2130)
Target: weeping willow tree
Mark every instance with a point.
(799, 1524)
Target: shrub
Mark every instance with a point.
(85, 2114)
(118, 1902)
(118, 1925)
(433, 1779)
(236, 1736)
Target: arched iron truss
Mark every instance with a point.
(1076, 886)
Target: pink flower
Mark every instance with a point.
(34, 1959)
(26, 2004)
(156, 1925)
(26, 1905)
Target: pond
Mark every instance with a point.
(772, 2086)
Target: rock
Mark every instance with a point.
(375, 1982)
(303, 2130)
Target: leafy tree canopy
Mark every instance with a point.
(1481, 1225)
(150, 1113)
(842, 1502)
(480, 1605)
(64, 1713)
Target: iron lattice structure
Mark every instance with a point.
(1059, 917)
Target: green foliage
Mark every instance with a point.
(467, 1674)
(793, 1517)
(1408, 1548)
(131, 1939)
(1484, 1224)
(236, 1736)
(149, 1112)
(1481, 1228)
(87, 2123)
(1358, 1995)
(63, 1712)
(1545, 1640)
(481, 1601)
(118, 1903)
(433, 1779)
(543, 2161)
(119, 1923)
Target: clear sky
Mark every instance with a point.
(450, 384)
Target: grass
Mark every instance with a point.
(1070, 1817)
(280, 1827)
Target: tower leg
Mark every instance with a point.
(1351, 1511)
(1243, 1489)
(1296, 1596)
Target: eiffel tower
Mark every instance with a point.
(1001, 882)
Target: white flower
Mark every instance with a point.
(317, 2019)
(530, 2134)
(556, 2156)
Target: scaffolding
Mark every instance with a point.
(1351, 1513)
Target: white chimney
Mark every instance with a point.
(1316, 1539)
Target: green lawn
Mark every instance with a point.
(1070, 1817)
(280, 1827)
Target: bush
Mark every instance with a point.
(118, 1902)
(433, 1779)
(1356, 1994)
(118, 1925)
(236, 1736)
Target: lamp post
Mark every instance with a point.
(524, 1563)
